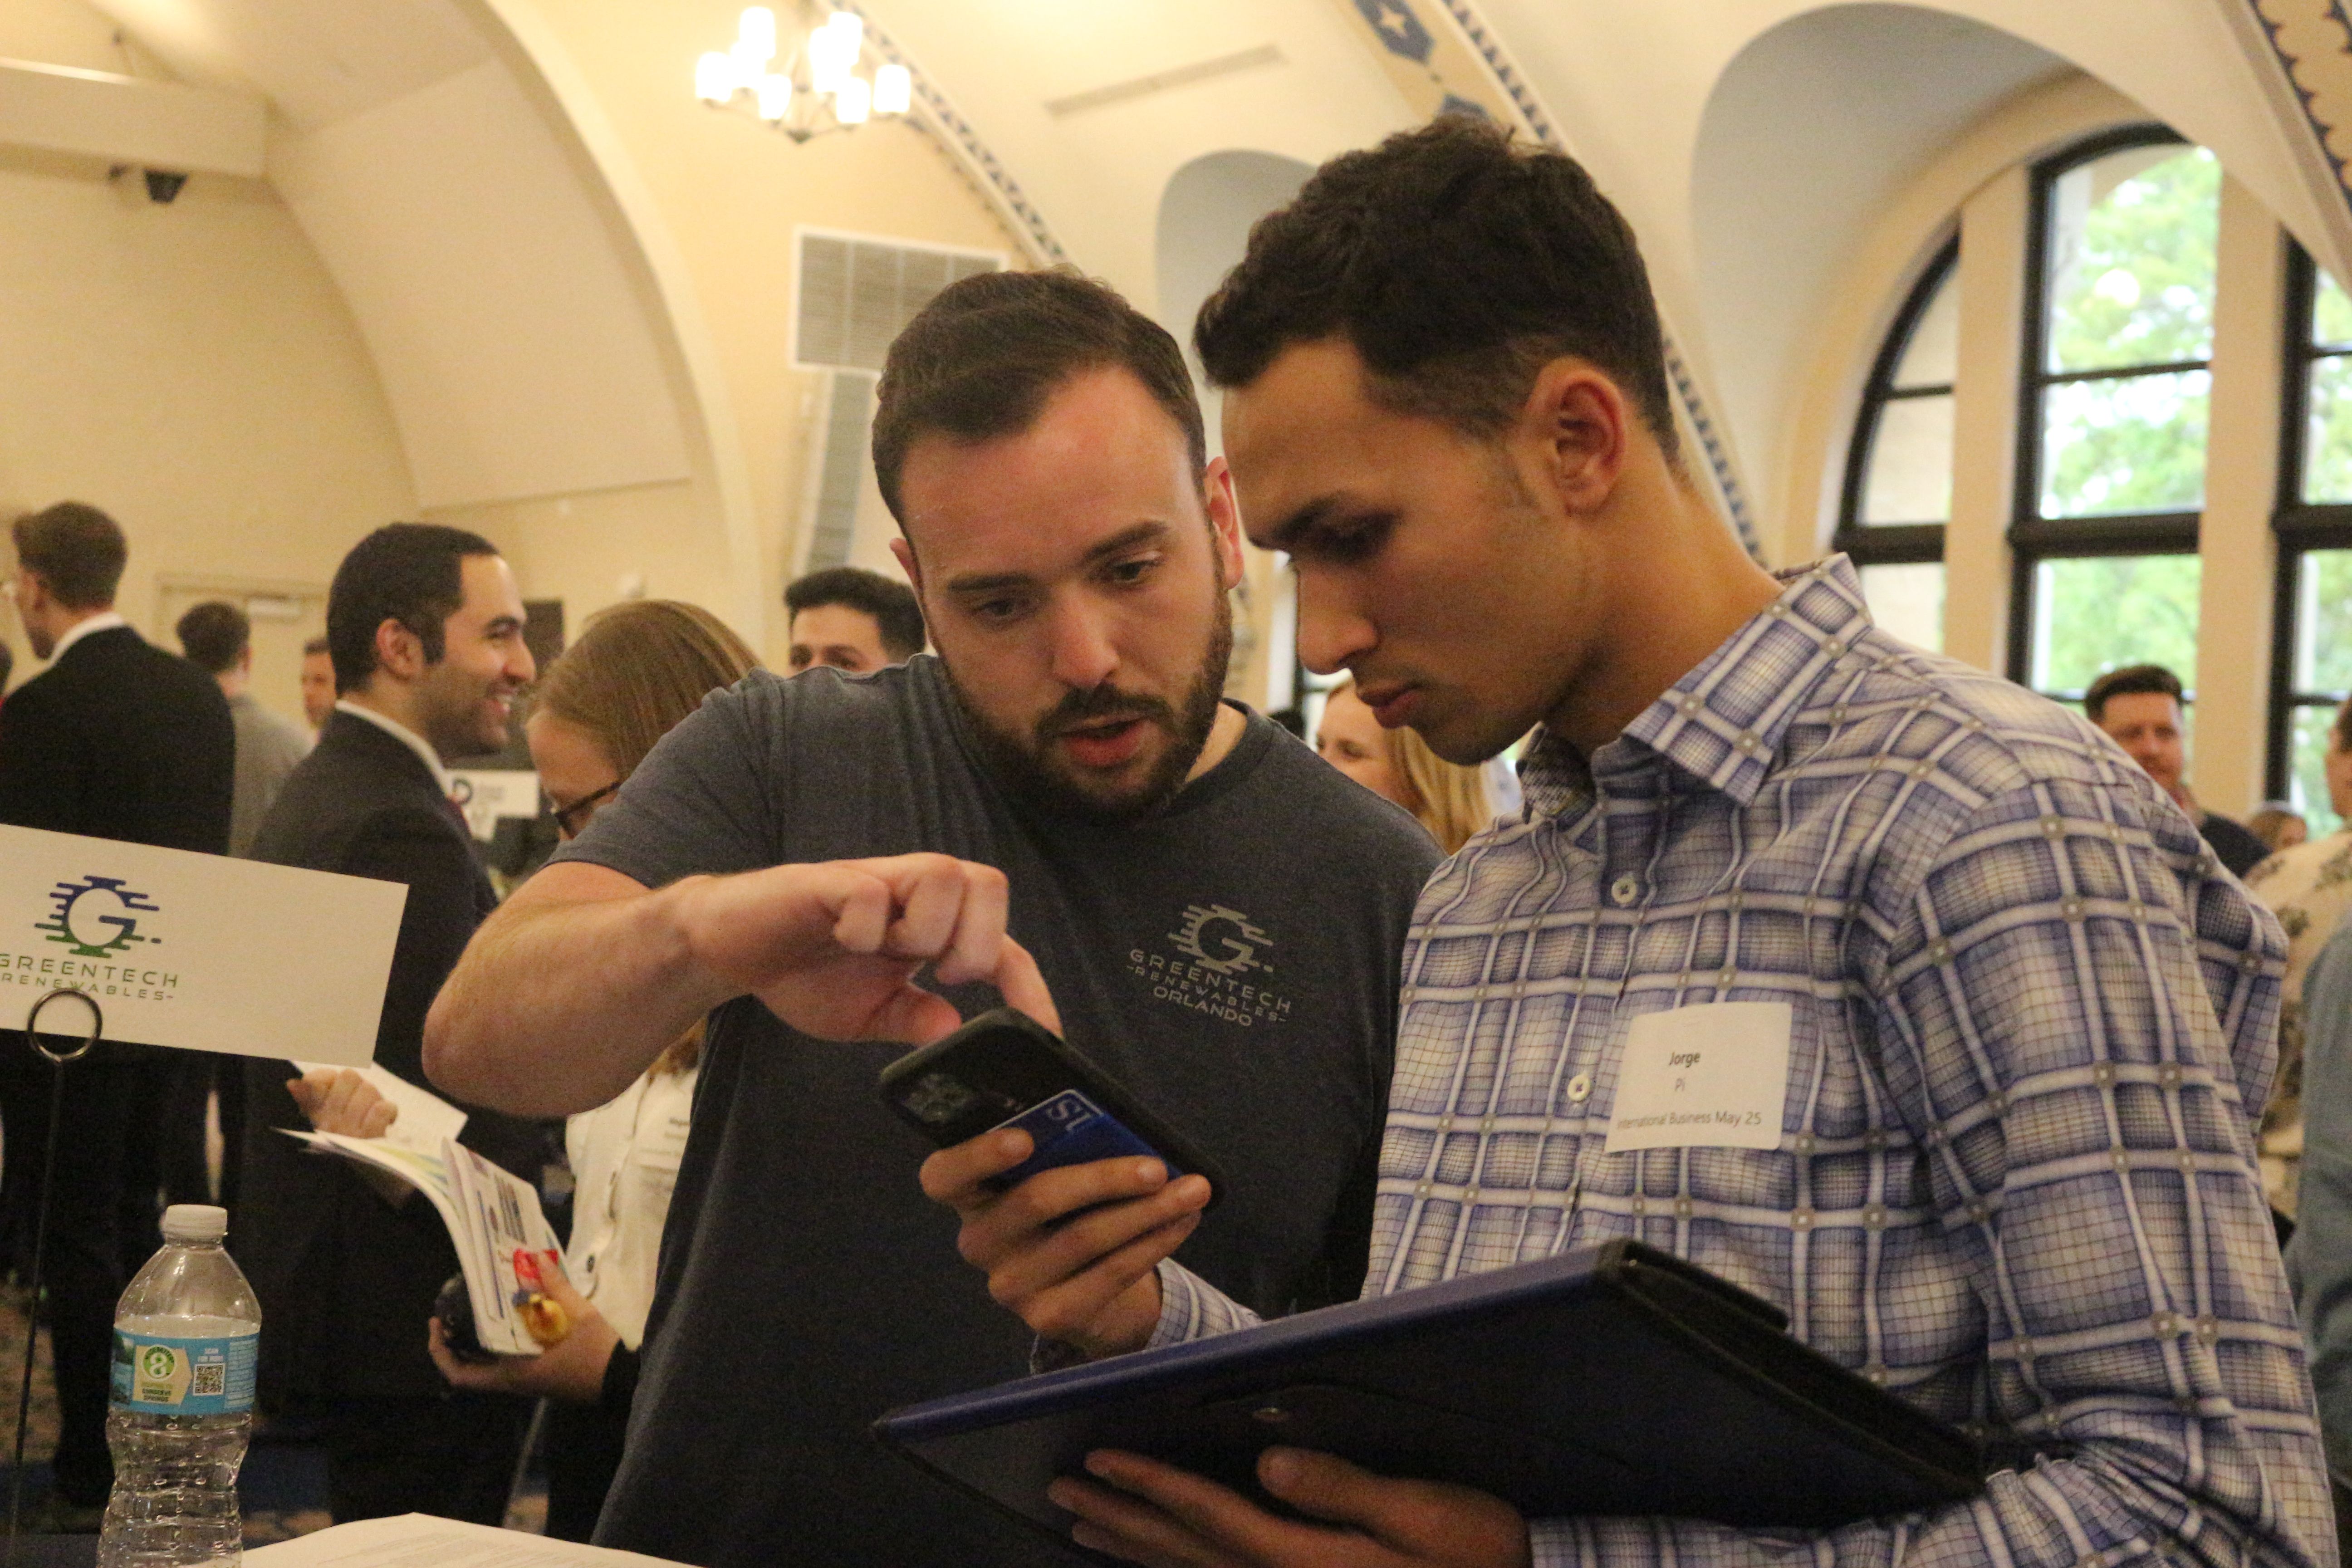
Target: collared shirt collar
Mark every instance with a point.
(1723, 722)
(104, 621)
(404, 736)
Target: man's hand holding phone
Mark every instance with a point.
(1090, 1281)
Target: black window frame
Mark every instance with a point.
(2034, 538)
(2301, 526)
(1892, 543)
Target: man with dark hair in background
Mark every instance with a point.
(2139, 706)
(116, 739)
(425, 627)
(1218, 913)
(2027, 1020)
(318, 683)
(852, 620)
(217, 639)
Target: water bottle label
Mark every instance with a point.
(166, 1376)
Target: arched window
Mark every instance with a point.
(2311, 665)
(2111, 449)
(1898, 472)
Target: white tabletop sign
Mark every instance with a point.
(199, 951)
(485, 794)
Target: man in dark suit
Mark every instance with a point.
(425, 627)
(116, 739)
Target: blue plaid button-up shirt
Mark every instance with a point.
(2031, 1020)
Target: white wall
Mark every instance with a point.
(189, 368)
(515, 354)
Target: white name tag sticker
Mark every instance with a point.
(1716, 1075)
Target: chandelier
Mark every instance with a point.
(817, 89)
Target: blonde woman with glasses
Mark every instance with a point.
(1447, 798)
(637, 670)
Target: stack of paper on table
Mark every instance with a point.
(421, 1540)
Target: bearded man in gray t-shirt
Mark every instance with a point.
(1216, 913)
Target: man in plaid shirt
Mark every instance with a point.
(2026, 1017)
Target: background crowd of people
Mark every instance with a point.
(347, 1263)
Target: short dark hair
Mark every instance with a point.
(2131, 680)
(980, 361)
(413, 573)
(892, 604)
(1457, 265)
(78, 550)
(316, 644)
(214, 635)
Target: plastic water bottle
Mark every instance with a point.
(186, 1334)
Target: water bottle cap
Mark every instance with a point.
(194, 1222)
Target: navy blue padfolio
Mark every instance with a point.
(1613, 1380)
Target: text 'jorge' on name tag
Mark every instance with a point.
(1714, 1075)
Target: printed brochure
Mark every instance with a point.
(494, 1220)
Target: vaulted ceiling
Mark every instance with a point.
(433, 150)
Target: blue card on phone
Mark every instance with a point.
(1070, 1130)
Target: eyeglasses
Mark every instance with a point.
(571, 819)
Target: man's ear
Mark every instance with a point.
(1578, 425)
(399, 652)
(904, 553)
(1224, 520)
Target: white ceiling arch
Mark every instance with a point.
(1205, 212)
(1806, 138)
(531, 334)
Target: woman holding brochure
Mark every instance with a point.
(637, 670)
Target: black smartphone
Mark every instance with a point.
(1006, 1070)
(455, 1306)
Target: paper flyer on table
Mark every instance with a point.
(196, 952)
(490, 1214)
(421, 1541)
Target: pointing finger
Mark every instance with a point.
(1018, 979)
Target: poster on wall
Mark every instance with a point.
(196, 952)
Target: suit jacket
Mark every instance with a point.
(120, 740)
(345, 1279)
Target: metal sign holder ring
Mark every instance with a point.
(58, 1060)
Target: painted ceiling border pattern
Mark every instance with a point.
(1506, 75)
(947, 124)
(2313, 41)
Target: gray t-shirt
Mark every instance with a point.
(1232, 961)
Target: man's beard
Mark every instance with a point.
(1021, 762)
(452, 716)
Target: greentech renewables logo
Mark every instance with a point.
(101, 922)
(94, 917)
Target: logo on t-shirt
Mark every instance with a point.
(1218, 967)
(1232, 943)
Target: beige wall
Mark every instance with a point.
(729, 193)
(593, 550)
(189, 368)
(195, 370)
